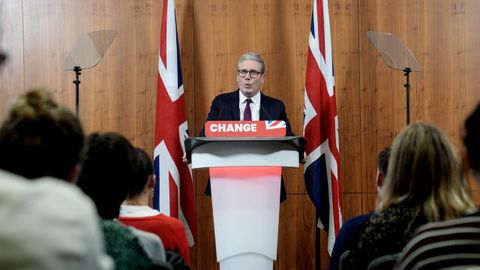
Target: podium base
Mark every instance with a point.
(246, 206)
(244, 261)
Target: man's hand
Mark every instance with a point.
(185, 160)
(304, 160)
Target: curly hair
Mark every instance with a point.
(40, 138)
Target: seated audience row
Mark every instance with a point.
(452, 244)
(424, 183)
(41, 141)
(48, 223)
(105, 177)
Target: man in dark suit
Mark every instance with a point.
(250, 78)
(248, 102)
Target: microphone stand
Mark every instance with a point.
(77, 82)
(406, 73)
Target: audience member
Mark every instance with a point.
(424, 183)
(48, 225)
(107, 170)
(135, 211)
(348, 235)
(453, 244)
(38, 138)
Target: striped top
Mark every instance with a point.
(452, 244)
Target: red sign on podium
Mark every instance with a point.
(274, 128)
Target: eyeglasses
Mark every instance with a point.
(242, 73)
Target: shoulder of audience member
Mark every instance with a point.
(47, 209)
(152, 244)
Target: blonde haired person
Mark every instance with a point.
(424, 183)
(425, 171)
(453, 243)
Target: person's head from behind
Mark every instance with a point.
(144, 179)
(107, 171)
(382, 166)
(3, 57)
(40, 138)
(424, 172)
(471, 141)
(250, 73)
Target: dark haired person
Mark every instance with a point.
(108, 168)
(248, 102)
(3, 57)
(46, 223)
(40, 138)
(347, 237)
(452, 244)
(135, 210)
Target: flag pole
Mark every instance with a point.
(318, 258)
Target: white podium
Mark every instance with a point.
(245, 175)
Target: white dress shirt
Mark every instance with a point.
(254, 106)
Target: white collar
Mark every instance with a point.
(255, 99)
(137, 211)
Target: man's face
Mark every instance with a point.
(248, 85)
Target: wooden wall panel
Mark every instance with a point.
(185, 15)
(205, 254)
(119, 93)
(382, 93)
(11, 43)
(344, 22)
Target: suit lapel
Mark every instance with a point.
(264, 106)
(235, 99)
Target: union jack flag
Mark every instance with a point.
(321, 126)
(174, 193)
(274, 124)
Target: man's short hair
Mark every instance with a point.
(108, 168)
(382, 160)
(3, 57)
(143, 172)
(253, 57)
(471, 139)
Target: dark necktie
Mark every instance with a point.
(247, 113)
